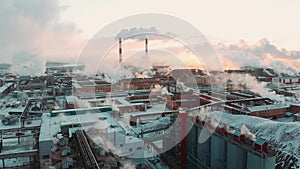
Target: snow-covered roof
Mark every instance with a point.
(260, 141)
(45, 128)
(285, 135)
(5, 86)
(101, 120)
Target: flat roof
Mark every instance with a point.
(45, 128)
(102, 120)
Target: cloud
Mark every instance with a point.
(263, 53)
(31, 32)
(129, 33)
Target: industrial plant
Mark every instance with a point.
(168, 118)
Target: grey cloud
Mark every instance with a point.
(22, 23)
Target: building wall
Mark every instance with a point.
(204, 150)
(1, 82)
(218, 152)
(221, 151)
(280, 112)
(92, 89)
(295, 108)
(236, 156)
(255, 161)
(286, 80)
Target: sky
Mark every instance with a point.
(226, 21)
(263, 33)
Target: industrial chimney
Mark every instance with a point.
(120, 50)
(146, 46)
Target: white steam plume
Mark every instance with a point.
(255, 86)
(248, 133)
(261, 54)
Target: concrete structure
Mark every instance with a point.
(35, 83)
(102, 125)
(89, 87)
(221, 150)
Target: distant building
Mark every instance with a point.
(6, 88)
(90, 86)
(138, 83)
(286, 80)
(35, 83)
(267, 111)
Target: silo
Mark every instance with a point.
(203, 150)
(236, 156)
(218, 155)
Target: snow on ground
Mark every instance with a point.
(284, 136)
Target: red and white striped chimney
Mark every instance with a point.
(120, 50)
(146, 46)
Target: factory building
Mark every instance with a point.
(103, 124)
(90, 87)
(286, 80)
(97, 123)
(6, 88)
(28, 83)
(138, 83)
(225, 148)
(267, 111)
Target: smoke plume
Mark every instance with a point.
(31, 32)
(261, 54)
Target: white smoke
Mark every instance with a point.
(146, 73)
(228, 130)
(141, 75)
(164, 91)
(128, 165)
(27, 29)
(164, 71)
(81, 103)
(248, 133)
(125, 72)
(113, 77)
(182, 86)
(101, 125)
(129, 33)
(105, 144)
(263, 53)
(255, 86)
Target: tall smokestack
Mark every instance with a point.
(120, 50)
(146, 46)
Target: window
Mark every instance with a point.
(45, 156)
(130, 149)
(139, 148)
